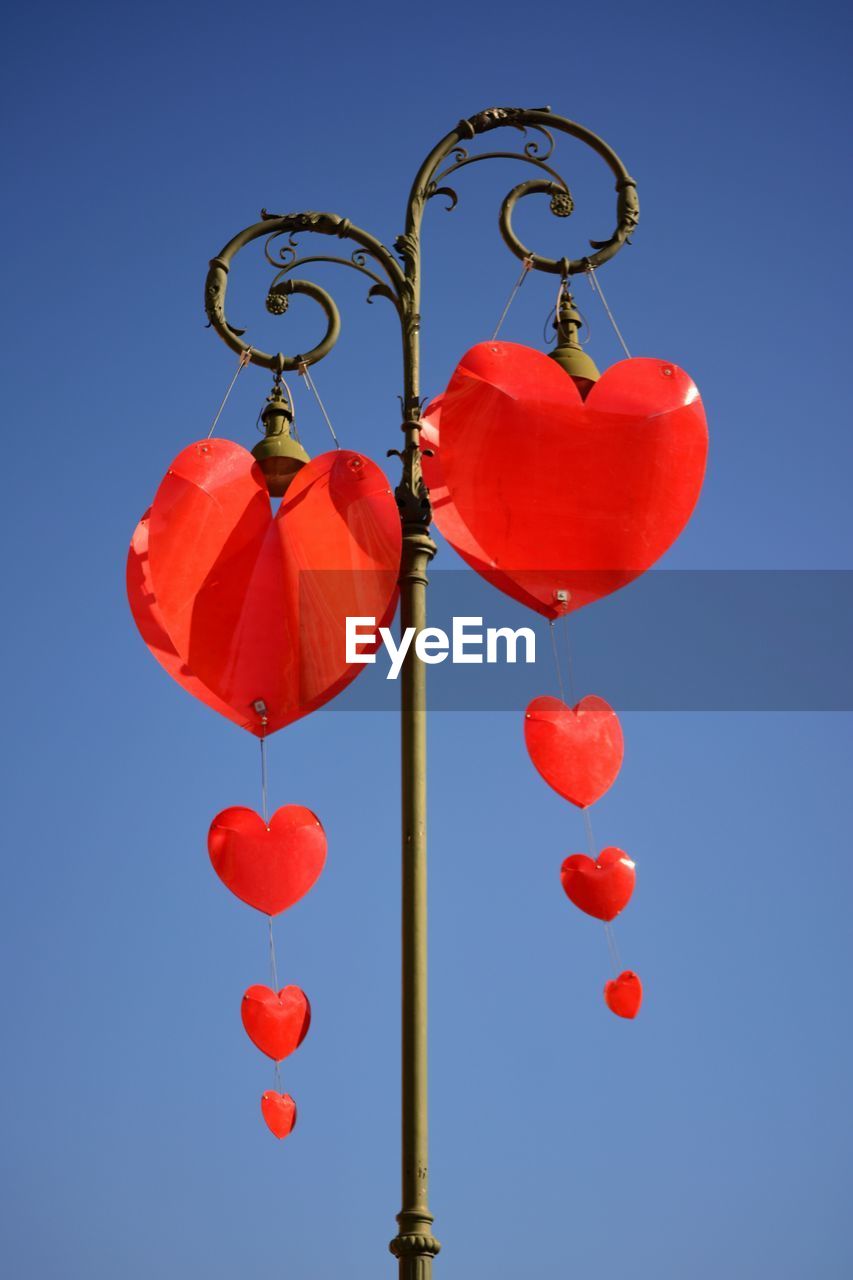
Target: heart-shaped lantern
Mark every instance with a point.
(556, 499)
(577, 750)
(600, 887)
(247, 610)
(624, 994)
(276, 1022)
(279, 1112)
(271, 865)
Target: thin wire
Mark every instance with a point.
(612, 948)
(557, 661)
(303, 373)
(596, 288)
(264, 783)
(273, 968)
(244, 360)
(590, 838)
(570, 663)
(277, 1077)
(528, 263)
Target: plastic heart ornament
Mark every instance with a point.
(279, 1112)
(268, 866)
(577, 750)
(247, 610)
(624, 995)
(276, 1022)
(603, 887)
(556, 499)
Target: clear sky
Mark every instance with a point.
(710, 1137)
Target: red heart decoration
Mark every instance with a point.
(143, 606)
(601, 888)
(577, 750)
(543, 491)
(624, 994)
(267, 866)
(276, 1022)
(279, 1111)
(242, 607)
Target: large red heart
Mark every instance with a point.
(279, 1112)
(601, 888)
(267, 866)
(276, 1022)
(624, 994)
(248, 610)
(577, 750)
(544, 492)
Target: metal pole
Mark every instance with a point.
(414, 1246)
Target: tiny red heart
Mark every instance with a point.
(279, 1112)
(577, 750)
(268, 866)
(624, 994)
(602, 888)
(276, 1022)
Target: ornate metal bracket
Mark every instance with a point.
(398, 278)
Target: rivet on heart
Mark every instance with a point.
(602, 888)
(624, 994)
(577, 750)
(543, 491)
(268, 866)
(276, 1021)
(279, 1112)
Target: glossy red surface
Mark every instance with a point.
(276, 1022)
(543, 492)
(269, 867)
(279, 1112)
(243, 607)
(577, 750)
(624, 994)
(602, 888)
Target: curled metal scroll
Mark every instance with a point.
(284, 286)
(561, 207)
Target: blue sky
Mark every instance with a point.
(711, 1136)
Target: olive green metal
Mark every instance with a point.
(280, 456)
(568, 353)
(398, 279)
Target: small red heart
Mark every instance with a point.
(276, 1022)
(247, 610)
(267, 866)
(577, 750)
(601, 888)
(543, 491)
(624, 994)
(279, 1111)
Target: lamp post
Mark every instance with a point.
(397, 277)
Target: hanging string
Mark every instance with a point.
(273, 967)
(590, 838)
(277, 1077)
(557, 660)
(596, 288)
(569, 662)
(528, 263)
(245, 357)
(264, 786)
(304, 373)
(612, 948)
